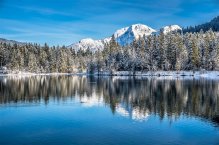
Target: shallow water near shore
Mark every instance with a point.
(83, 110)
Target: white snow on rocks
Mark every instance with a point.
(88, 43)
(132, 33)
(171, 28)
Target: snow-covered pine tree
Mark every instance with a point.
(181, 53)
(32, 63)
(162, 60)
(171, 51)
(195, 53)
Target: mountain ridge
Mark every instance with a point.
(2, 40)
(123, 36)
(213, 24)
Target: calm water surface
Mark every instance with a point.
(71, 110)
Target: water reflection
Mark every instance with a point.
(135, 98)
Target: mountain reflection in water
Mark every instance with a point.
(135, 98)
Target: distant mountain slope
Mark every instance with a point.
(2, 40)
(88, 43)
(171, 28)
(127, 35)
(123, 36)
(213, 24)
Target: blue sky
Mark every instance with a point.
(62, 22)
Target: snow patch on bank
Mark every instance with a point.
(173, 74)
(26, 74)
(203, 74)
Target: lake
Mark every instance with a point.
(81, 110)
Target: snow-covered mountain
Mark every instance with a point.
(10, 41)
(88, 43)
(127, 35)
(171, 28)
(123, 36)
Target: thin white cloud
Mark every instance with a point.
(41, 10)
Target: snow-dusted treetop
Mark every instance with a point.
(123, 36)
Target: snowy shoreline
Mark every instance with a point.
(204, 74)
(40, 74)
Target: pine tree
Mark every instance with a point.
(171, 51)
(181, 53)
(63, 67)
(162, 52)
(142, 52)
(195, 54)
(32, 63)
(155, 53)
(2, 55)
(149, 51)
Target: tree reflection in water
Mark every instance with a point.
(131, 97)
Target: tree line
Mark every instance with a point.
(213, 24)
(163, 52)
